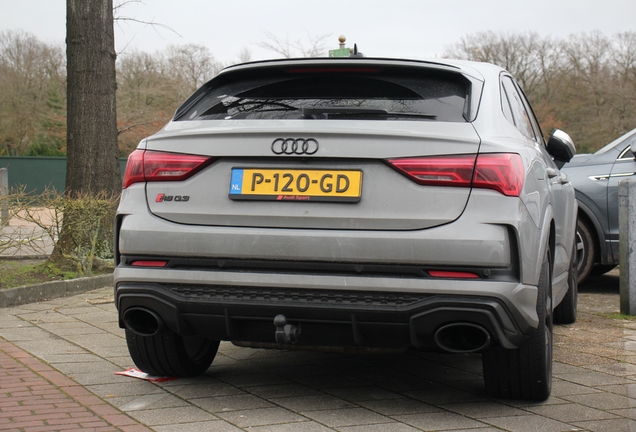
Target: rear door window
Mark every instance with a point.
(521, 116)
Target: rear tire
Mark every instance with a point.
(526, 372)
(170, 354)
(565, 312)
(585, 249)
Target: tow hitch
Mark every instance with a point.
(286, 334)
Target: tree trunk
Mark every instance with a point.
(92, 169)
(92, 152)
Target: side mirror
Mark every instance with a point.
(561, 147)
(633, 147)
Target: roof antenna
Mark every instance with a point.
(355, 52)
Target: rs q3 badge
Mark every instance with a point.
(179, 198)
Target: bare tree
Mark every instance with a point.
(527, 56)
(244, 55)
(31, 73)
(313, 47)
(191, 64)
(585, 84)
(623, 90)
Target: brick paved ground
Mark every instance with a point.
(36, 397)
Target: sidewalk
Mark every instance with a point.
(58, 358)
(31, 240)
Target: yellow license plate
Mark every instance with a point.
(295, 185)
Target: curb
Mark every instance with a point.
(50, 290)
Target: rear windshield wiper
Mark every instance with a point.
(326, 112)
(235, 106)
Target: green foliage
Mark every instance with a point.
(46, 146)
(14, 273)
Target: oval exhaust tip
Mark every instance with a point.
(142, 322)
(462, 338)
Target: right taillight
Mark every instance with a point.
(502, 172)
(147, 166)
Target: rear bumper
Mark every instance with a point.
(351, 312)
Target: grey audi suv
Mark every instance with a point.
(350, 203)
(595, 178)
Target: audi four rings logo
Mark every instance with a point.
(294, 146)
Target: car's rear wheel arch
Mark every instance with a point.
(587, 216)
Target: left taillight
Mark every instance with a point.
(147, 166)
(502, 172)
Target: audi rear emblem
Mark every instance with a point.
(294, 146)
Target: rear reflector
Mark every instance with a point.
(452, 274)
(502, 172)
(149, 263)
(147, 166)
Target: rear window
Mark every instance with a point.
(321, 94)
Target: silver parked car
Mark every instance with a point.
(595, 178)
(350, 203)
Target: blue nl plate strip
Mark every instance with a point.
(236, 185)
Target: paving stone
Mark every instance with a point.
(484, 409)
(208, 426)
(603, 400)
(175, 416)
(329, 381)
(569, 413)
(358, 394)
(593, 379)
(205, 389)
(616, 425)
(393, 407)
(230, 403)
(528, 423)
(282, 390)
(261, 417)
(130, 387)
(566, 388)
(620, 389)
(106, 377)
(438, 421)
(304, 426)
(312, 403)
(70, 328)
(346, 417)
(615, 367)
(75, 368)
(252, 379)
(629, 413)
(442, 395)
(150, 401)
